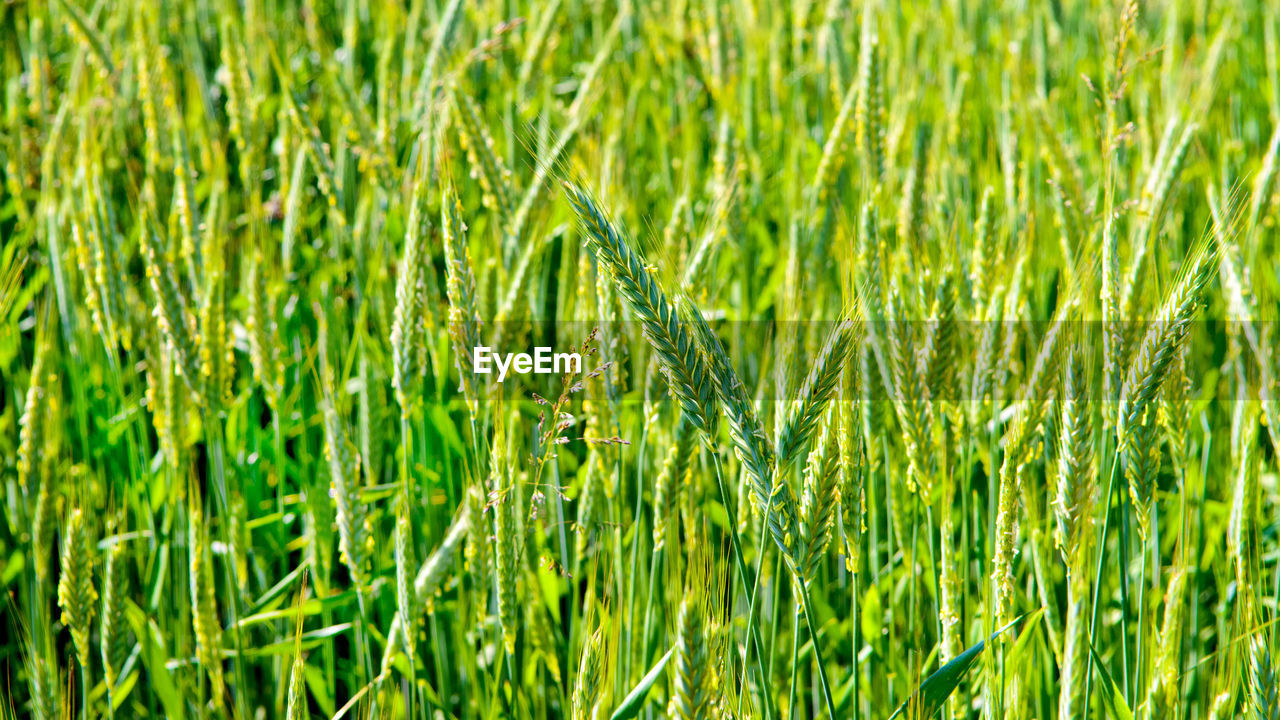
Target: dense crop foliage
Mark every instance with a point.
(927, 359)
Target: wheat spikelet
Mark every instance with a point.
(486, 166)
(344, 472)
(1164, 168)
(31, 426)
(432, 571)
(982, 269)
(189, 248)
(749, 523)
(682, 364)
(204, 609)
(911, 401)
(506, 541)
(344, 475)
(238, 541)
(404, 561)
(1160, 345)
(82, 27)
(949, 590)
(869, 257)
(853, 468)
(612, 348)
(215, 351)
(815, 393)
(505, 576)
(586, 688)
(820, 502)
(692, 697)
(147, 94)
(670, 482)
(1165, 691)
(108, 273)
(171, 308)
(114, 634)
(76, 594)
(427, 581)
(911, 208)
(1073, 501)
(1264, 684)
(612, 345)
(1141, 456)
(1244, 497)
(1006, 534)
(750, 443)
(296, 707)
(80, 245)
(1241, 301)
(1013, 304)
(464, 320)
(165, 400)
(868, 130)
(368, 143)
(1032, 404)
(264, 354)
(406, 326)
(695, 490)
(44, 689)
(1242, 526)
(242, 103)
(938, 356)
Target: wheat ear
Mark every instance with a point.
(817, 390)
(821, 499)
(171, 308)
(114, 633)
(464, 319)
(427, 582)
(76, 594)
(681, 362)
(691, 699)
(1264, 685)
(1160, 345)
(586, 688)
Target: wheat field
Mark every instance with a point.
(924, 359)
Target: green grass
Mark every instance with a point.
(928, 359)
